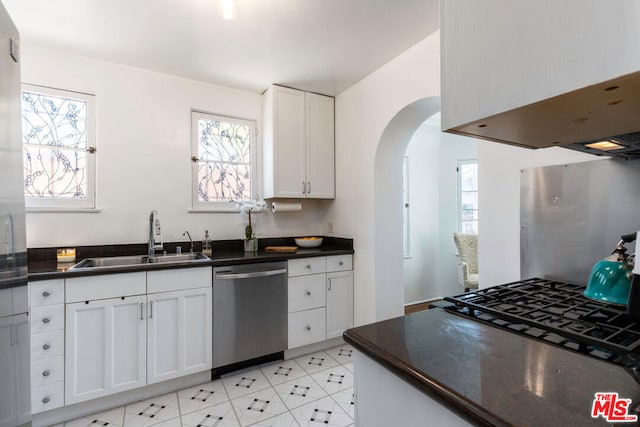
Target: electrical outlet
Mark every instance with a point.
(330, 227)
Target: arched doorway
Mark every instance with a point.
(388, 204)
(447, 150)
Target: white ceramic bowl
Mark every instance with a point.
(308, 242)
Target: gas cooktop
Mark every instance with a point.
(557, 313)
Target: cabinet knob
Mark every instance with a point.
(308, 293)
(308, 328)
(46, 294)
(341, 263)
(46, 399)
(46, 373)
(46, 320)
(308, 267)
(46, 347)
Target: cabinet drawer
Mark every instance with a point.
(178, 280)
(299, 267)
(307, 327)
(47, 397)
(47, 371)
(47, 292)
(47, 318)
(339, 263)
(105, 286)
(306, 292)
(47, 344)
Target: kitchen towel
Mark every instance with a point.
(277, 207)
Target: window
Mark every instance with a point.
(405, 208)
(224, 161)
(468, 196)
(58, 132)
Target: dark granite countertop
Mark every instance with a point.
(491, 376)
(42, 264)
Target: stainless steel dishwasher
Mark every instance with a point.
(249, 312)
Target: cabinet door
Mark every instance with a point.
(289, 142)
(339, 303)
(8, 407)
(23, 386)
(320, 165)
(180, 334)
(105, 347)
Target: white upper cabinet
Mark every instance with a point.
(320, 150)
(298, 144)
(540, 73)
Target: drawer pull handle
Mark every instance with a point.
(46, 320)
(46, 399)
(46, 294)
(46, 347)
(308, 328)
(141, 311)
(307, 267)
(329, 283)
(341, 263)
(308, 293)
(46, 373)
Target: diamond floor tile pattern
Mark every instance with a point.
(312, 390)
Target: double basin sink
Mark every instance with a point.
(137, 261)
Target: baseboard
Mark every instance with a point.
(312, 348)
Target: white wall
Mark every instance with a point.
(499, 204)
(362, 114)
(431, 270)
(143, 157)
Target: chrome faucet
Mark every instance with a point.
(155, 234)
(190, 239)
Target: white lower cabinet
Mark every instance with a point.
(47, 344)
(105, 347)
(320, 299)
(14, 347)
(179, 333)
(339, 303)
(118, 344)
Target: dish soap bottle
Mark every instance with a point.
(206, 244)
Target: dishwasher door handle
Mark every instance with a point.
(253, 274)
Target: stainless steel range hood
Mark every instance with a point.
(607, 111)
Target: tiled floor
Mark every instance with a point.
(316, 389)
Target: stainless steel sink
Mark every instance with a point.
(196, 256)
(136, 260)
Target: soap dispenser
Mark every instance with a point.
(206, 244)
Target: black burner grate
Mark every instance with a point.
(555, 312)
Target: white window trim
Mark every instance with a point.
(42, 204)
(459, 173)
(203, 207)
(406, 207)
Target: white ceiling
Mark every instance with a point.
(322, 46)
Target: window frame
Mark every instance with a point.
(459, 173)
(221, 206)
(35, 204)
(406, 208)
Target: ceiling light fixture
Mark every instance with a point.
(227, 9)
(605, 145)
